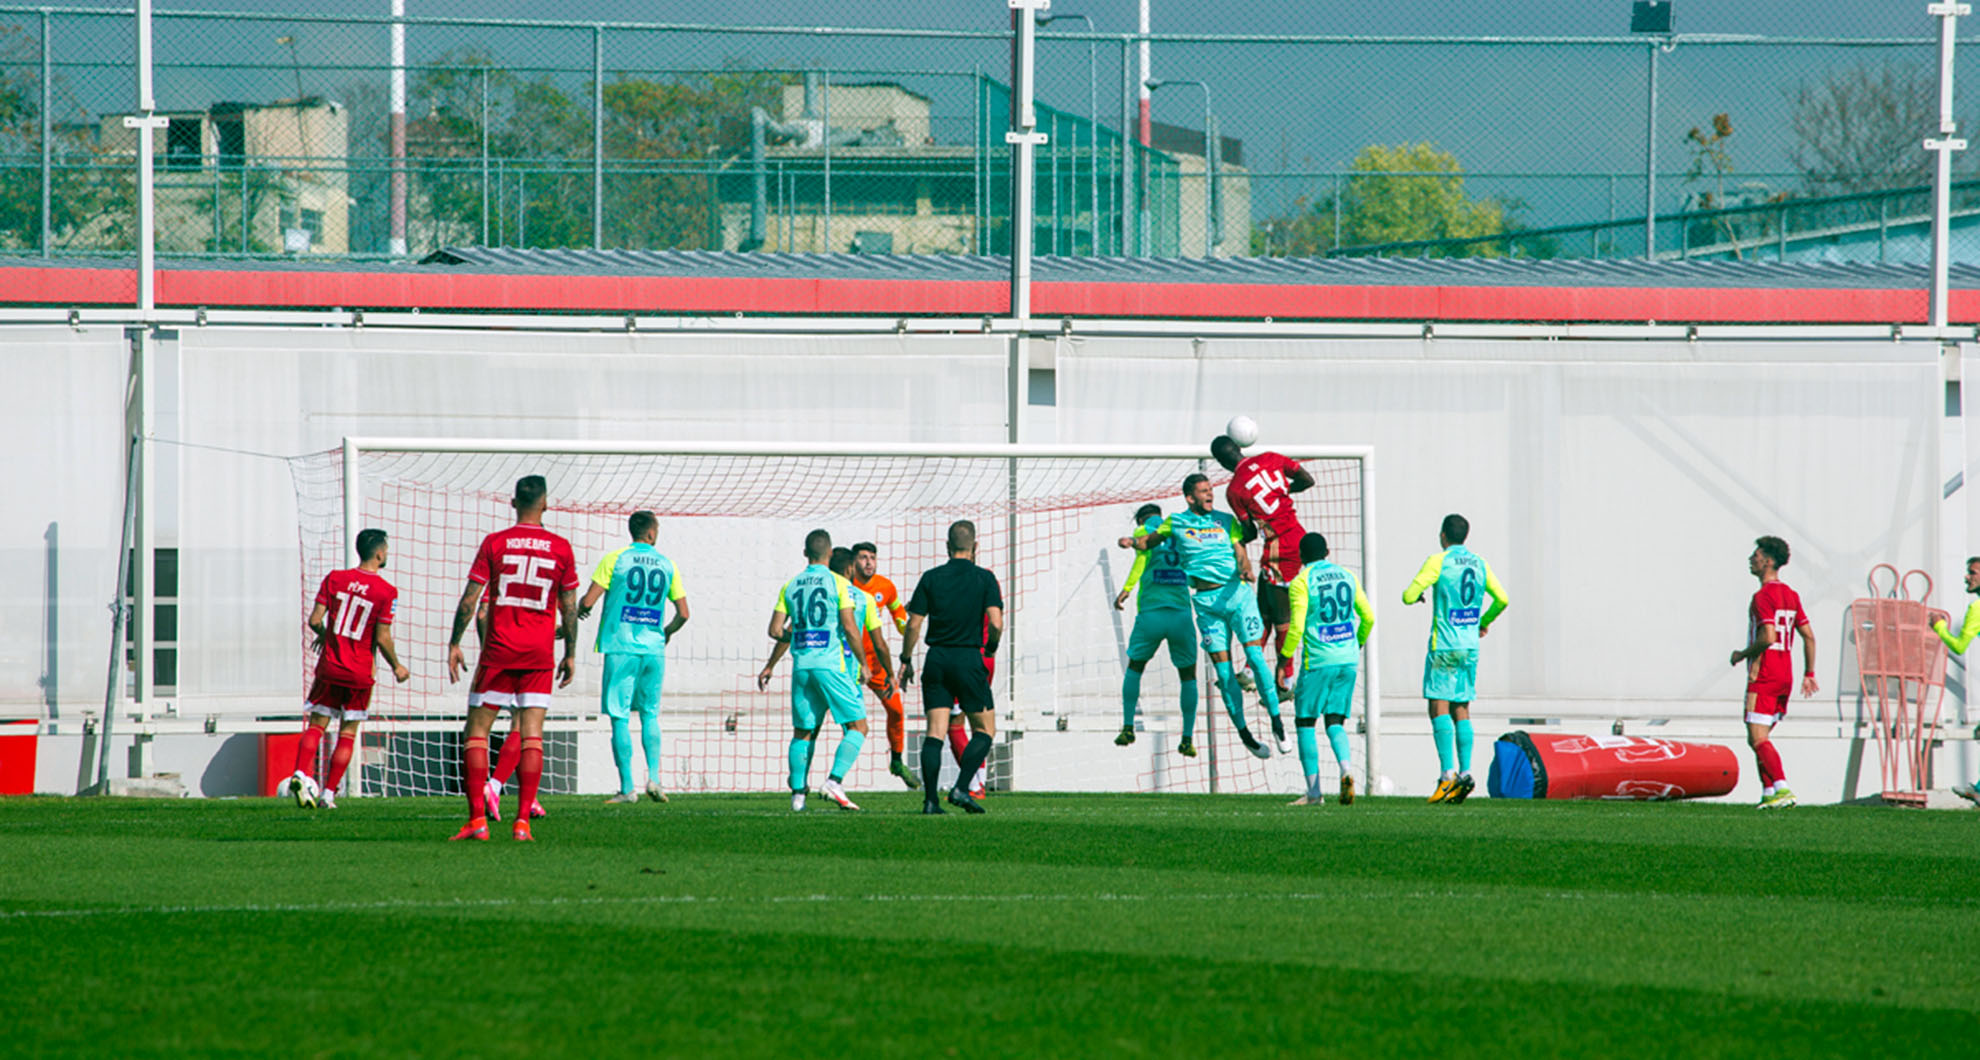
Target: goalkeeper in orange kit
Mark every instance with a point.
(867, 579)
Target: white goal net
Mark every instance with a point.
(733, 519)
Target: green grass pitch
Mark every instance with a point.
(1055, 926)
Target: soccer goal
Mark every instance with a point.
(733, 518)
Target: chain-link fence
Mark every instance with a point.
(616, 135)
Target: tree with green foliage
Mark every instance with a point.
(90, 193)
(1413, 192)
(1401, 194)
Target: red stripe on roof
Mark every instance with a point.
(296, 289)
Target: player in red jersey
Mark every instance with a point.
(1774, 619)
(534, 576)
(1260, 495)
(351, 619)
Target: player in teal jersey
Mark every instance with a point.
(1161, 613)
(1332, 619)
(1461, 579)
(1213, 559)
(815, 620)
(636, 583)
(1969, 628)
(866, 617)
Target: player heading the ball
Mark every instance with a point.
(1773, 619)
(351, 619)
(1261, 496)
(1458, 581)
(533, 573)
(636, 583)
(1213, 559)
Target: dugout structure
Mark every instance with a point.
(733, 518)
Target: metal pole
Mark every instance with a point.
(484, 156)
(1209, 180)
(47, 148)
(113, 689)
(1092, 145)
(1024, 140)
(1650, 164)
(1943, 147)
(1128, 208)
(144, 585)
(598, 137)
(825, 105)
(147, 124)
(397, 244)
(1371, 679)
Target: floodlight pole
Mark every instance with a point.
(397, 241)
(1024, 140)
(1942, 146)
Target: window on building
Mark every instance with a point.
(184, 143)
(165, 619)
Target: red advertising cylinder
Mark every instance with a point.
(1549, 766)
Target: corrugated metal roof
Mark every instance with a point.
(1296, 271)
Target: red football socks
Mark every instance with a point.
(508, 758)
(474, 763)
(340, 759)
(312, 737)
(958, 740)
(532, 773)
(1770, 763)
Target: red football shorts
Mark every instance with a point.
(1770, 702)
(510, 689)
(338, 701)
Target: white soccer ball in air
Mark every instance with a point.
(1242, 430)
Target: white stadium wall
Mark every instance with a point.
(1616, 487)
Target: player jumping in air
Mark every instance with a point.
(1260, 495)
(1461, 579)
(817, 620)
(534, 577)
(345, 638)
(1161, 613)
(1214, 560)
(1774, 619)
(1968, 629)
(880, 589)
(636, 583)
(1332, 620)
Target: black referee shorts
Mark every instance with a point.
(953, 677)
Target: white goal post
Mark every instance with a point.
(733, 517)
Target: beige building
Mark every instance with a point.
(248, 178)
(879, 183)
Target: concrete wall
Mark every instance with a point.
(1616, 487)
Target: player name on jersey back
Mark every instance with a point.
(525, 568)
(356, 603)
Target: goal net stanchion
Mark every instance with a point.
(1901, 667)
(733, 518)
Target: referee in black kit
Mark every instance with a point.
(964, 609)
